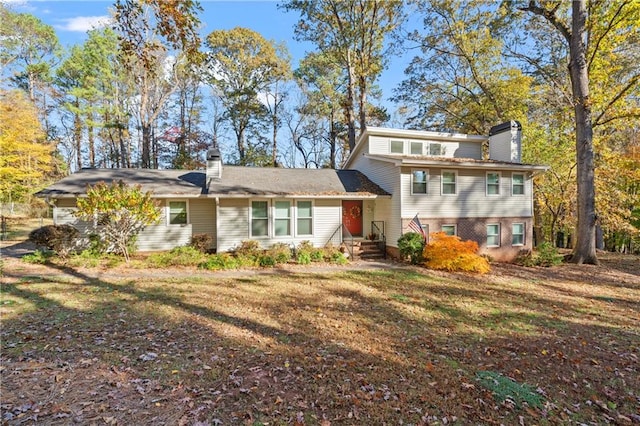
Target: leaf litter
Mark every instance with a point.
(404, 346)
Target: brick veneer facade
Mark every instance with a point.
(476, 229)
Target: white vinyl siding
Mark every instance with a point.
(233, 223)
(449, 182)
(470, 200)
(493, 183)
(517, 184)
(202, 215)
(493, 235)
(517, 234)
(381, 145)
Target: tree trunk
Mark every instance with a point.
(333, 135)
(146, 146)
(363, 104)
(77, 135)
(350, 106)
(585, 245)
(92, 148)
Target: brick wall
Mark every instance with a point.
(476, 229)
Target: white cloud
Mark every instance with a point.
(85, 23)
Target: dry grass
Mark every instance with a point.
(402, 346)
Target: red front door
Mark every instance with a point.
(352, 217)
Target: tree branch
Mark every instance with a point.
(549, 15)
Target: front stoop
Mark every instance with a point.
(367, 250)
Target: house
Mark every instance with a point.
(391, 176)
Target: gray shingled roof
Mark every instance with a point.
(277, 181)
(236, 181)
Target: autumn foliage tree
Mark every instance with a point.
(26, 157)
(118, 213)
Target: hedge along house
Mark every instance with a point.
(444, 180)
(390, 177)
(233, 204)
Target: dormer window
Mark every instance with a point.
(416, 148)
(397, 147)
(435, 149)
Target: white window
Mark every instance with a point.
(178, 213)
(517, 184)
(259, 219)
(449, 229)
(493, 235)
(449, 182)
(493, 183)
(282, 218)
(435, 149)
(397, 147)
(517, 234)
(305, 218)
(416, 148)
(419, 180)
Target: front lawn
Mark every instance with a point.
(329, 347)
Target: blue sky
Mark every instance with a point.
(71, 20)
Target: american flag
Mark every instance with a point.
(416, 226)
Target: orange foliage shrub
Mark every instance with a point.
(450, 253)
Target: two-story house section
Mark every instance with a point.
(446, 181)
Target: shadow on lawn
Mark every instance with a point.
(407, 368)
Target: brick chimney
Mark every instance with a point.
(505, 142)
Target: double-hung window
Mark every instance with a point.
(419, 181)
(517, 234)
(517, 184)
(283, 218)
(259, 218)
(449, 182)
(397, 147)
(493, 235)
(435, 149)
(449, 229)
(305, 218)
(178, 213)
(416, 148)
(493, 183)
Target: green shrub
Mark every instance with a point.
(411, 247)
(85, 259)
(179, 256)
(219, 261)
(267, 260)
(38, 257)
(546, 255)
(201, 242)
(248, 248)
(303, 257)
(281, 252)
(60, 238)
(317, 255)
